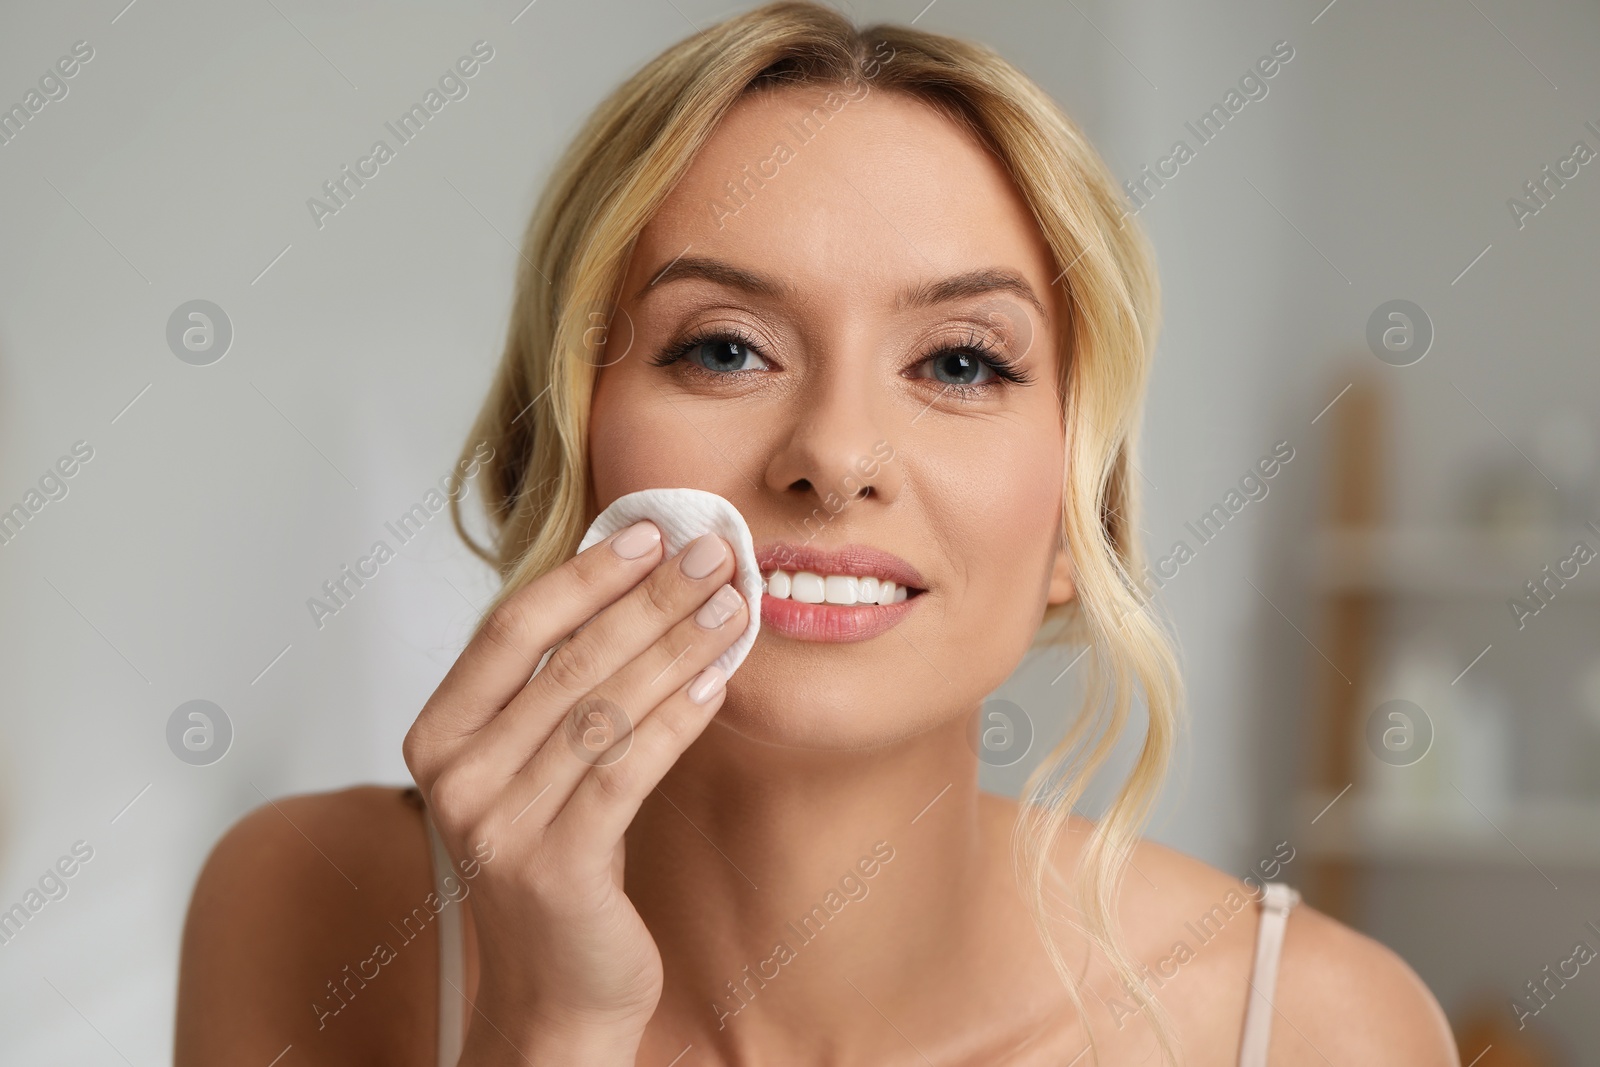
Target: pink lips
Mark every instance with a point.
(836, 622)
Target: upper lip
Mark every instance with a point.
(859, 560)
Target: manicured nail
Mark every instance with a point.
(636, 540)
(720, 608)
(707, 684)
(704, 556)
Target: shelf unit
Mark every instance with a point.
(1539, 831)
(1444, 560)
(1360, 568)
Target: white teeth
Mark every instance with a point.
(840, 589)
(807, 588)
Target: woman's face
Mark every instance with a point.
(838, 296)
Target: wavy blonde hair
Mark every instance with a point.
(609, 183)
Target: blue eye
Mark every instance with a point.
(963, 366)
(716, 352)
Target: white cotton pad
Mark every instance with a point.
(683, 515)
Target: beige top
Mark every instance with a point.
(453, 1007)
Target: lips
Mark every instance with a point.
(830, 621)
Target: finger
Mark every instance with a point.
(600, 728)
(505, 649)
(620, 634)
(608, 797)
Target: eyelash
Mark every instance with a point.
(1006, 369)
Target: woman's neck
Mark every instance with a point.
(774, 879)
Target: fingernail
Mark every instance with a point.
(707, 684)
(704, 556)
(636, 540)
(720, 608)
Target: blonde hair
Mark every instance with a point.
(609, 183)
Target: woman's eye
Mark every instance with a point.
(961, 367)
(724, 354)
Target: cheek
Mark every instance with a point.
(637, 440)
(1024, 520)
(1000, 499)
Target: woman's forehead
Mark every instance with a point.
(837, 192)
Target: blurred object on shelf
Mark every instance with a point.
(1509, 497)
(1453, 749)
(1550, 483)
(1401, 761)
(1482, 754)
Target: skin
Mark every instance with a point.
(613, 949)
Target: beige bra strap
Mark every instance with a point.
(1275, 905)
(451, 1003)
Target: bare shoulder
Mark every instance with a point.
(1189, 931)
(291, 939)
(1353, 1000)
(1341, 997)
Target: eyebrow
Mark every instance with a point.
(922, 294)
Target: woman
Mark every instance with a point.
(874, 289)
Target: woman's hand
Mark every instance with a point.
(542, 777)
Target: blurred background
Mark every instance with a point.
(1379, 268)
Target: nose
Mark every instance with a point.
(838, 445)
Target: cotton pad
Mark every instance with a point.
(683, 515)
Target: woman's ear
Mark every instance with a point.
(1063, 577)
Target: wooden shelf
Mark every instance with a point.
(1443, 560)
(1550, 832)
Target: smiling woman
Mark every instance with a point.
(935, 329)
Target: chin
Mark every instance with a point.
(807, 695)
